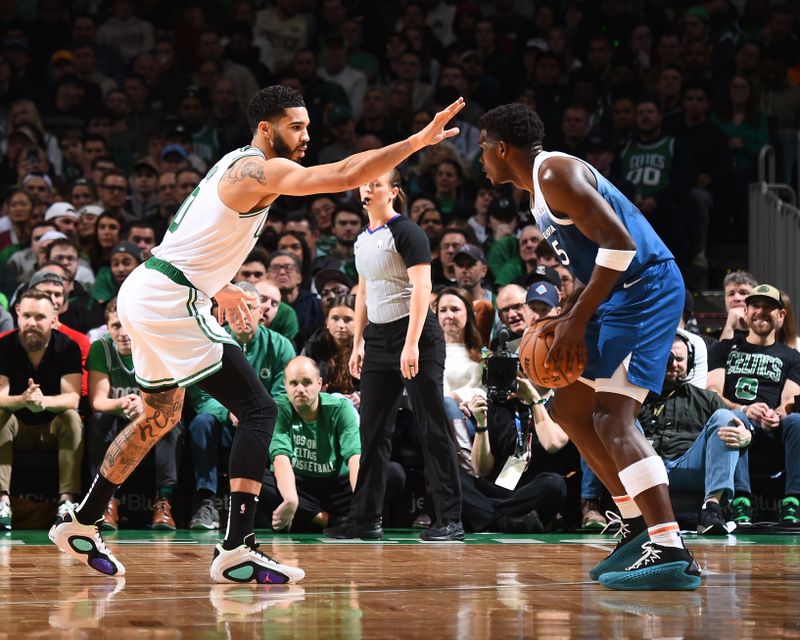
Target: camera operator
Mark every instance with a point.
(519, 453)
(543, 301)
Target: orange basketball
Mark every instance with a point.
(533, 349)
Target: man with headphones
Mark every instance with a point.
(703, 444)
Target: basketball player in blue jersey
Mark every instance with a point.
(627, 316)
(165, 306)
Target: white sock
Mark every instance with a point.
(667, 534)
(627, 507)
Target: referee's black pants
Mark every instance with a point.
(381, 389)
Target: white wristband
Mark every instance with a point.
(614, 259)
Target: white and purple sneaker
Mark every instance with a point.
(246, 563)
(84, 542)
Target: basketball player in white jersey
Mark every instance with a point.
(165, 305)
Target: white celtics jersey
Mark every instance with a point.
(207, 240)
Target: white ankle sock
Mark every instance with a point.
(627, 507)
(667, 534)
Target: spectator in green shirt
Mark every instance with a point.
(125, 257)
(268, 353)
(315, 452)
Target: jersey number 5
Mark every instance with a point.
(562, 255)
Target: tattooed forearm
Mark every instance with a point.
(246, 169)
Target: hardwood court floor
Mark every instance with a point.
(491, 587)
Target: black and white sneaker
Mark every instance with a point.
(659, 568)
(444, 531)
(632, 535)
(350, 529)
(712, 522)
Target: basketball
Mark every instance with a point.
(533, 349)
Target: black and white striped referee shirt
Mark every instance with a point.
(383, 256)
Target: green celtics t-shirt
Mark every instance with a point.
(104, 358)
(648, 166)
(320, 448)
(754, 373)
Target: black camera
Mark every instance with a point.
(500, 370)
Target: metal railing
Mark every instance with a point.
(774, 230)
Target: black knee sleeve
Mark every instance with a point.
(239, 390)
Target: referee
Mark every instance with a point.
(402, 345)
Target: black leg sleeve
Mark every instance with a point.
(237, 387)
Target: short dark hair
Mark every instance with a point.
(515, 124)
(287, 254)
(119, 173)
(95, 137)
(34, 294)
(191, 170)
(345, 209)
(271, 102)
(111, 307)
(60, 242)
(649, 99)
(544, 250)
(696, 84)
(302, 216)
(257, 254)
(137, 224)
(460, 226)
(41, 224)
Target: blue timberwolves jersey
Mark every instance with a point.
(578, 252)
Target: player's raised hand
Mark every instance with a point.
(435, 132)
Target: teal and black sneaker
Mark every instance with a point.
(632, 535)
(659, 568)
(790, 511)
(741, 511)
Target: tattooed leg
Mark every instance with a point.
(161, 413)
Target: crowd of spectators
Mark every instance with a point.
(111, 113)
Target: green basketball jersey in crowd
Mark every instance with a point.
(648, 165)
(104, 358)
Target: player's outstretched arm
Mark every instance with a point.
(251, 180)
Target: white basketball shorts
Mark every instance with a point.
(174, 338)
